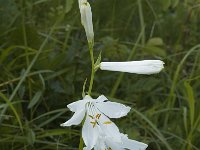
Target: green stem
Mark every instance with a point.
(92, 69)
(81, 143)
(90, 45)
(141, 20)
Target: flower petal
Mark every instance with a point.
(113, 109)
(76, 106)
(89, 133)
(109, 128)
(113, 145)
(132, 144)
(138, 67)
(76, 118)
(101, 98)
(100, 145)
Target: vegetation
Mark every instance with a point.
(44, 61)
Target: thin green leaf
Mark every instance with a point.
(35, 99)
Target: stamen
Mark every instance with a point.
(107, 122)
(98, 116)
(93, 123)
(91, 116)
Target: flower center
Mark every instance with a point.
(95, 115)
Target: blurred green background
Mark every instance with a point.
(44, 61)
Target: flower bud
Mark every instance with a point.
(138, 67)
(86, 19)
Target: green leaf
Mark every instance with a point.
(191, 101)
(69, 4)
(155, 50)
(31, 137)
(97, 63)
(8, 102)
(35, 99)
(185, 119)
(175, 3)
(83, 92)
(166, 4)
(156, 41)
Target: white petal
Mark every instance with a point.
(89, 133)
(132, 144)
(138, 67)
(76, 118)
(86, 20)
(76, 106)
(113, 109)
(100, 145)
(101, 98)
(113, 145)
(109, 128)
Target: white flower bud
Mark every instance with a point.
(138, 67)
(86, 19)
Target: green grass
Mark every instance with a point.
(44, 62)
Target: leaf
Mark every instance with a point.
(35, 99)
(8, 102)
(97, 63)
(155, 50)
(43, 82)
(156, 41)
(31, 137)
(175, 3)
(83, 92)
(154, 46)
(69, 4)
(191, 101)
(185, 119)
(166, 4)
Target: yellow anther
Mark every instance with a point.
(98, 116)
(107, 122)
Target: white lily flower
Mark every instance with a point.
(97, 112)
(105, 142)
(138, 67)
(86, 19)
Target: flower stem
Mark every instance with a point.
(81, 143)
(92, 69)
(90, 45)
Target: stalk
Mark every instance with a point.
(90, 45)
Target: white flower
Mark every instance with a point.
(97, 112)
(86, 19)
(138, 67)
(106, 142)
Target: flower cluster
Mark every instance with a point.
(99, 132)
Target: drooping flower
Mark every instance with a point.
(105, 142)
(86, 19)
(96, 113)
(138, 67)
